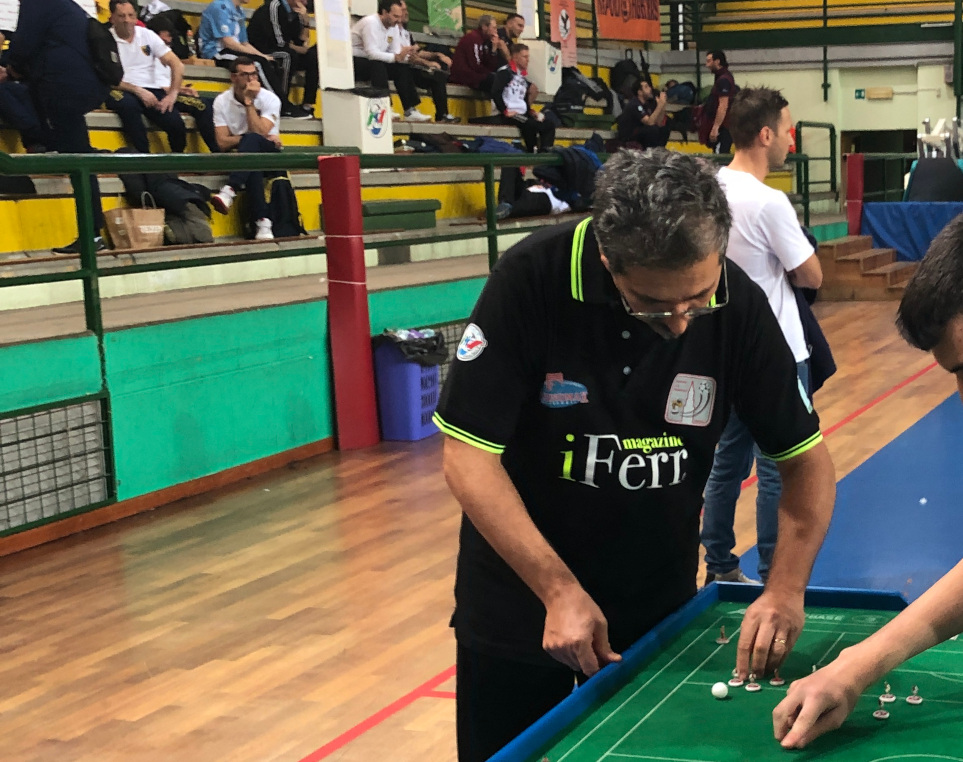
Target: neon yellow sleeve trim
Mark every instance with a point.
(799, 449)
(463, 436)
(578, 244)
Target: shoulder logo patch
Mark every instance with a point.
(472, 344)
(691, 400)
(557, 392)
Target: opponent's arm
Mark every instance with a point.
(820, 702)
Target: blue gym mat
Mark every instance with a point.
(898, 523)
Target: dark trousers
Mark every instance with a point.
(289, 61)
(724, 143)
(436, 83)
(132, 113)
(202, 109)
(498, 698)
(534, 132)
(378, 72)
(67, 127)
(17, 110)
(251, 181)
(650, 136)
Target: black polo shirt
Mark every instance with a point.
(607, 432)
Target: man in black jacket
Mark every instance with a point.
(51, 52)
(280, 29)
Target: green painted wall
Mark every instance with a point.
(423, 305)
(48, 371)
(194, 397)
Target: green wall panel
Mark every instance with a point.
(194, 397)
(830, 230)
(423, 305)
(47, 371)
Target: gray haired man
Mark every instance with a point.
(582, 411)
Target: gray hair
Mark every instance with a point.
(659, 209)
(484, 20)
(934, 295)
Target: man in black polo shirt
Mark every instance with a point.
(586, 398)
(715, 130)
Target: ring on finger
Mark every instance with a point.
(779, 640)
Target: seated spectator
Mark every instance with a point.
(152, 8)
(372, 42)
(476, 60)
(139, 95)
(514, 95)
(246, 119)
(508, 33)
(189, 101)
(281, 30)
(643, 119)
(430, 68)
(223, 37)
(17, 111)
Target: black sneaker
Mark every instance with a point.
(74, 248)
(298, 112)
(503, 210)
(447, 119)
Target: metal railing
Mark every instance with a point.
(884, 173)
(832, 182)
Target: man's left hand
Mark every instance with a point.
(769, 631)
(444, 59)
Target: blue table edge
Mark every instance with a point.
(610, 679)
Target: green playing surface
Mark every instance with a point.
(666, 712)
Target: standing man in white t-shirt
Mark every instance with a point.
(246, 119)
(139, 94)
(767, 242)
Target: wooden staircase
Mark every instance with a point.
(854, 271)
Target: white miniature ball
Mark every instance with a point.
(720, 690)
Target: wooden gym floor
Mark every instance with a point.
(302, 615)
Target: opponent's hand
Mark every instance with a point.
(816, 704)
(769, 631)
(577, 633)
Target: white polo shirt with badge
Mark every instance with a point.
(140, 56)
(230, 112)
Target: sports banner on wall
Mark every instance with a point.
(563, 30)
(636, 20)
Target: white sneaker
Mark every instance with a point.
(264, 232)
(223, 199)
(414, 115)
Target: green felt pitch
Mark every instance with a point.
(666, 712)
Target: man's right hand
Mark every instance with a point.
(147, 98)
(252, 89)
(577, 633)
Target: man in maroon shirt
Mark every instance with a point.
(476, 56)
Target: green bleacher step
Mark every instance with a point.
(403, 214)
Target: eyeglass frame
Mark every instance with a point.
(692, 312)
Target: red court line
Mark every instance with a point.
(440, 694)
(854, 415)
(380, 716)
(427, 689)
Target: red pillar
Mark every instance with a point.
(348, 322)
(855, 163)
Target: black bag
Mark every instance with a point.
(683, 93)
(192, 226)
(103, 54)
(626, 73)
(283, 207)
(425, 347)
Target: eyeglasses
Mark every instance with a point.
(692, 312)
(245, 74)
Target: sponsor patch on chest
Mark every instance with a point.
(557, 392)
(691, 400)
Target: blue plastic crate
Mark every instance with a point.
(407, 395)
